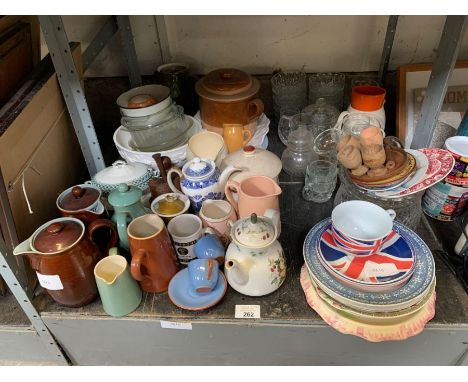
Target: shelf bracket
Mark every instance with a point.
(442, 69)
(57, 42)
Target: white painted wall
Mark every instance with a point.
(260, 44)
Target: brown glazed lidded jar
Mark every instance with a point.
(229, 96)
(63, 254)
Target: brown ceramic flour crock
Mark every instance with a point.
(63, 255)
(153, 256)
(229, 96)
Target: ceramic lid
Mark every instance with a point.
(59, 235)
(79, 198)
(121, 172)
(254, 231)
(253, 161)
(227, 85)
(124, 195)
(198, 168)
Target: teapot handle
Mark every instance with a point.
(103, 223)
(232, 185)
(169, 179)
(274, 216)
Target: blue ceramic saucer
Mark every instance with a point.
(181, 295)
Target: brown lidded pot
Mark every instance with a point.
(229, 96)
(81, 202)
(63, 254)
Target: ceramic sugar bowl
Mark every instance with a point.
(201, 180)
(255, 264)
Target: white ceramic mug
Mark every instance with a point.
(216, 214)
(361, 227)
(186, 230)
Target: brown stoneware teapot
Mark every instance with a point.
(63, 254)
(81, 202)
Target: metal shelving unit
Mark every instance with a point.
(57, 42)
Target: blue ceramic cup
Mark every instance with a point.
(210, 247)
(203, 275)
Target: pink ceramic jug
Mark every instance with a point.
(255, 194)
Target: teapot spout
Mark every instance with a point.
(239, 271)
(24, 248)
(223, 178)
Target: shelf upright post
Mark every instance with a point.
(57, 42)
(10, 272)
(442, 69)
(387, 49)
(125, 29)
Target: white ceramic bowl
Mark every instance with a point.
(178, 155)
(159, 92)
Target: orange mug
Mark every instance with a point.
(367, 98)
(235, 136)
(154, 261)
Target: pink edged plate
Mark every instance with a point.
(441, 162)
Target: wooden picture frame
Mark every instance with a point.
(413, 76)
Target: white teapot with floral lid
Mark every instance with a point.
(255, 264)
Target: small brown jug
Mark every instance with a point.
(159, 186)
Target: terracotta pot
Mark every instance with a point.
(373, 156)
(63, 254)
(371, 136)
(154, 261)
(367, 98)
(229, 96)
(350, 157)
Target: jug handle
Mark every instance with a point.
(101, 223)
(255, 108)
(121, 221)
(246, 136)
(135, 266)
(169, 179)
(232, 184)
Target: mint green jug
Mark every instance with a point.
(126, 201)
(120, 293)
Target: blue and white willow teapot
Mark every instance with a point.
(201, 180)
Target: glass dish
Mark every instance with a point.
(329, 86)
(148, 134)
(319, 116)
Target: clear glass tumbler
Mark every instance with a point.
(320, 181)
(329, 86)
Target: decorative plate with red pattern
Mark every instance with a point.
(441, 162)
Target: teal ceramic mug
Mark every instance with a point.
(120, 293)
